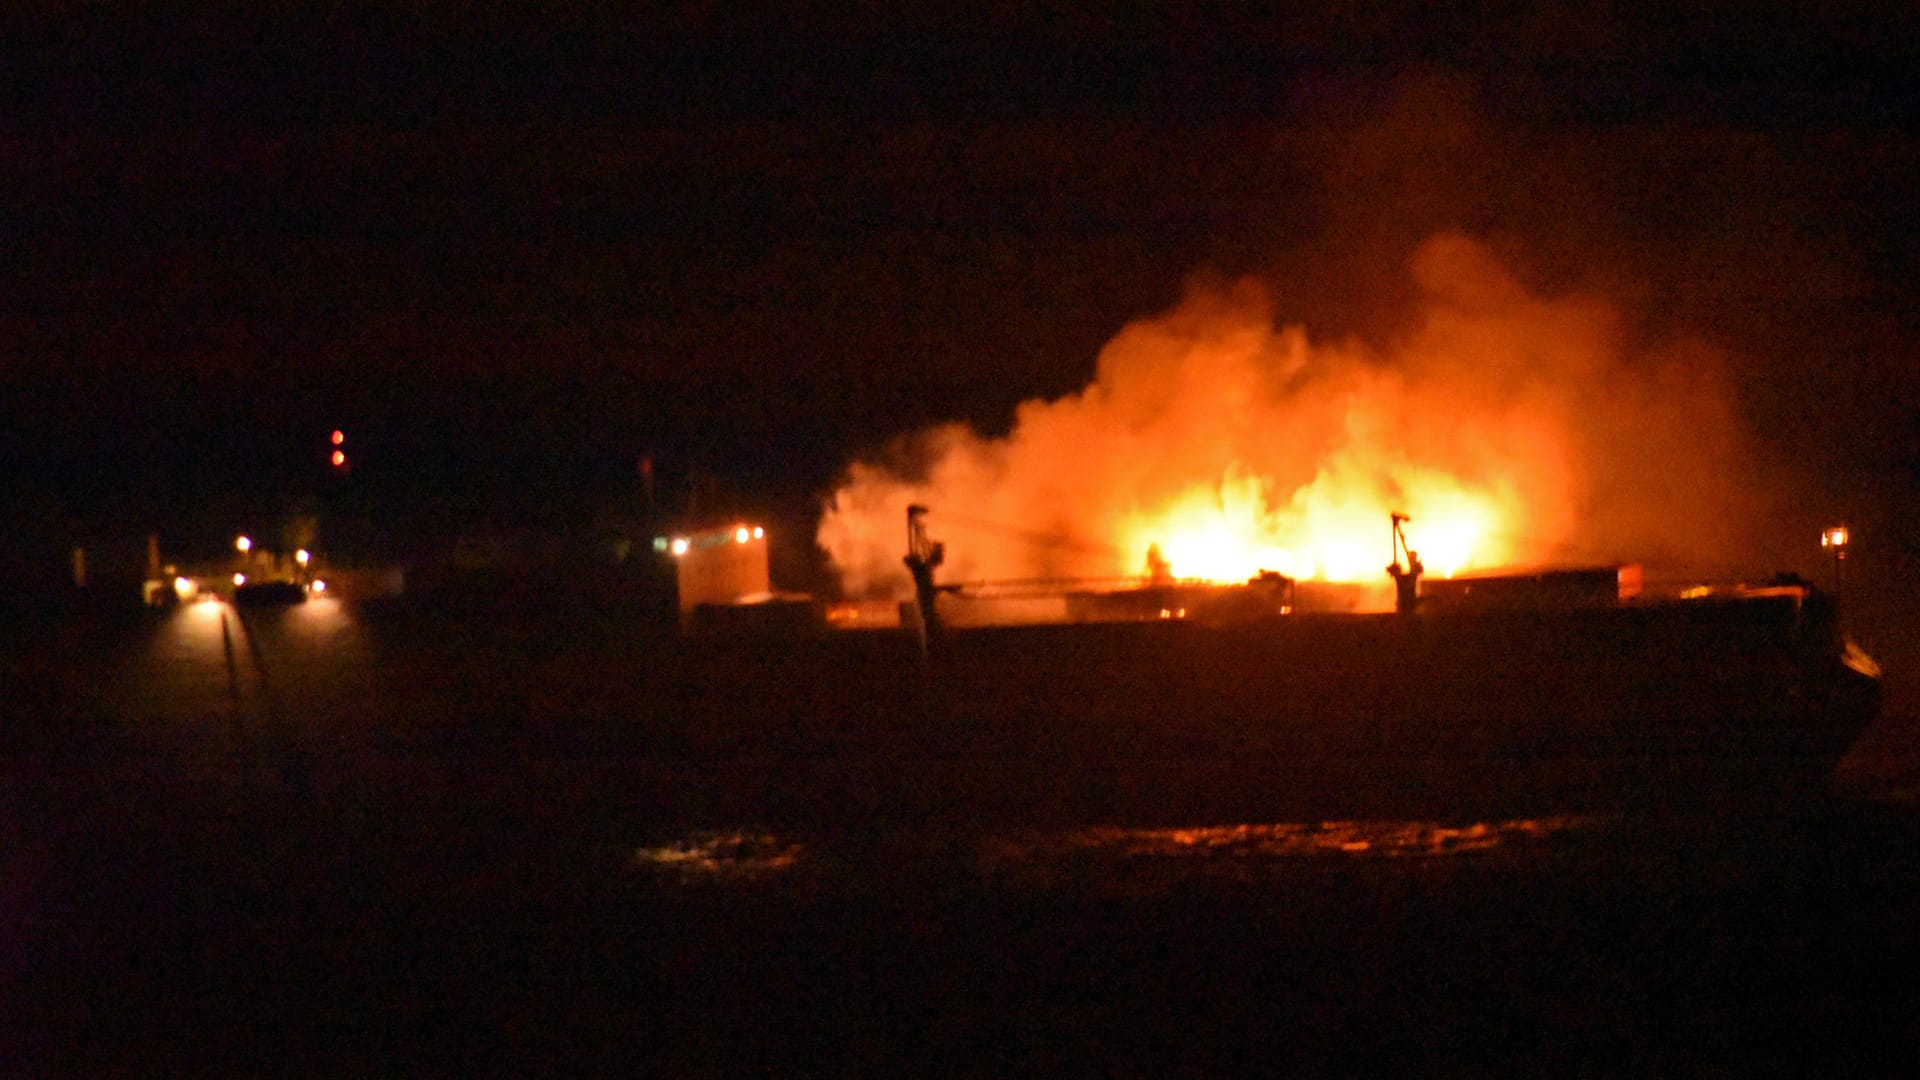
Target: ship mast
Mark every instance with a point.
(923, 555)
(1406, 579)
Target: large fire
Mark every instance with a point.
(1334, 529)
(1213, 444)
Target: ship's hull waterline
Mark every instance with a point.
(1287, 717)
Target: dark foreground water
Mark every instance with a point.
(356, 853)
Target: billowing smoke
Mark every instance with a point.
(1516, 428)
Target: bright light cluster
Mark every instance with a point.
(738, 534)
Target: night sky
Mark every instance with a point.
(513, 254)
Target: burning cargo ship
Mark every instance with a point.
(1265, 658)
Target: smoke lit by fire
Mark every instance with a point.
(1513, 428)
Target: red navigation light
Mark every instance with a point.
(339, 459)
(339, 436)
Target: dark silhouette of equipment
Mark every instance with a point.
(1159, 570)
(923, 555)
(1406, 579)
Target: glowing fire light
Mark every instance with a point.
(1230, 535)
(1504, 423)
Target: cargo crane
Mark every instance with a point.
(1406, 579)
(923, 555)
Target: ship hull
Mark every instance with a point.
(1170, 722)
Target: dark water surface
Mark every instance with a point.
(373, 844)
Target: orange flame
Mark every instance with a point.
(1235, 446)
(1327, 531)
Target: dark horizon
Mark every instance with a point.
(513, 256)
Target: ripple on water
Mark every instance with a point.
(723, 856)
(1132, 858)
(1101, 856)
(1372, 839)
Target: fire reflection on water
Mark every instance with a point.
(1130, 860)
(722, 856)
(1234, 851)
(1374, 839)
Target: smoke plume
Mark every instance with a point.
(1515, 426)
